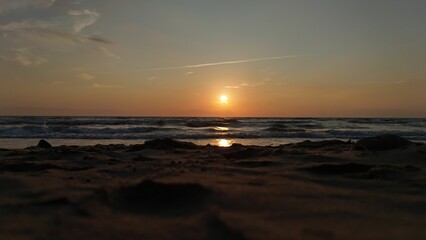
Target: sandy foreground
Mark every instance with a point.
(166, 189)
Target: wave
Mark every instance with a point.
(205, 128)
(70, 121)
(388, 121)
(283, 128)
(31, 130)
(356, 134)
(221, 122)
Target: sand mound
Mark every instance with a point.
(142, 158)
(388, 172)
(311, 190)
(217, 229)
(238, 152)
(27, 167)
(320, 144)
(339, 169)
(154, 198)
(364, 171)
(163, 144)
(256, 164)
(380, 143)
(44, 144)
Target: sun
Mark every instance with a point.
(224, 142)
(223, 99)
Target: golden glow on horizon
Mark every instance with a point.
(224, 99)
(224, 142)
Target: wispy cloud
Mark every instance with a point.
(220, 63)
(24, 57)
(77, 19)
(85, 76)
(242, 85)
(43, 32)
(58, 33)
(83, 18)
(98, 85)
(24, 25)
(109, 53)
(233, 87)
(9, 5)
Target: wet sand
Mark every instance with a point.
(166, 189)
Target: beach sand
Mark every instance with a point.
(165, 189)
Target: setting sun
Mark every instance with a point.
(224, 142)
(223, 99)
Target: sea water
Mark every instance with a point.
(19, 132)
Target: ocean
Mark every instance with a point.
(21, 132)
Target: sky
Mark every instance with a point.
(271, 58)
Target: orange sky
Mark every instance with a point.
(170, 58)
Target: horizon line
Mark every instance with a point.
(187, 116)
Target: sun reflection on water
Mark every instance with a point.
(221, 128)
(224, 142)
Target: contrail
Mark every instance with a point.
(219, 63)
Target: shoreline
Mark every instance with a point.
(167, 189)
(21, 143)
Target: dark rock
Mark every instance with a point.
(44, 144)
(380, 143)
